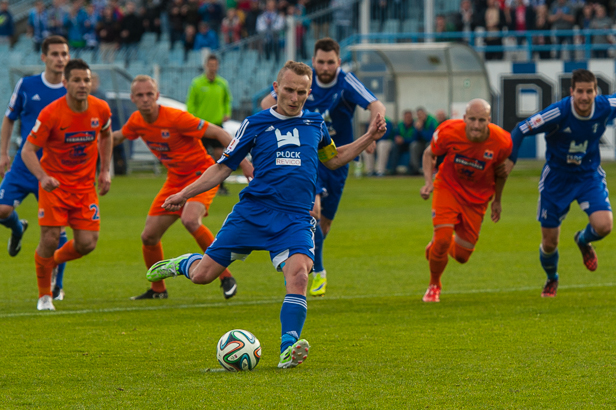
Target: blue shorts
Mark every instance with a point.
(16, 186)
(558, 189)
(254, 227)
(333, 181)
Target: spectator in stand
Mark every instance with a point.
(7, 28)
(152, 19)
(302, 28)
(190, 34)
(586, 16)
(441, 116)
(107, 31)
(89, 27)
(251, 18)
(542, 24)
(342, 16)
(383, 148)
(465, 18)
(211, 12)
(55, 17)
(379, 12)
(176, 22)
(495, 21)
(425, 125)
(522, 18)
(190, 13)
(320, 25)
(601, 22)
(269, 24)
(440, 29)
(37, 25)
(405, 133)
(74, 25)
(562, 17)
(231, 27)
(117, 10)
(132, 30)
(206, 37)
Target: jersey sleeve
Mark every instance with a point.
(327, 147)
(239, 146)
(42, 128)
(544, 121)
(190, 126)
(439, 145)
(356, 92)
(16, 103)
(129, 130)
(106, 116)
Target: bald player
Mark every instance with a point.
(472, 174)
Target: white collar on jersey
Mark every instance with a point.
(329, 85)
(578, 116)
(283, 117)
(50, 85)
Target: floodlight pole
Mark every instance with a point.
(429, 20)
(364, 18)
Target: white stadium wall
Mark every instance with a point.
(522, 89)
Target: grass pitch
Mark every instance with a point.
(492, 342)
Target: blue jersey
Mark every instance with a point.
(31, 95)
(285, 154)
(336, 102)
(572, 140)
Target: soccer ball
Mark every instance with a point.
(238, 350)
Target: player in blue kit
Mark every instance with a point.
(573, 128)
(31, 95)
(335, 94)
(286, 144)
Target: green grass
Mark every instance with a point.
(492, 342)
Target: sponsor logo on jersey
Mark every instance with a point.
(288, 158)
(158, 146)
(78, 151)
(581, 147)
(288, 138)
(232, 145)
(469, 162)
(489, 154)
(79, 136)
(94, 122)
(36, 98)
(535, 121)
(164, 133)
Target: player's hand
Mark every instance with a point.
(496, 211)
(5, 165)
(49, 183)
(426, 190)
(104, 183)
(378, 127)
(247, 169)
(174, 203)
(371, 148)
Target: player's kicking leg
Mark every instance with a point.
(548, 256)
(599, 226)
(10, 219)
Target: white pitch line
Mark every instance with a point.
(279, 299)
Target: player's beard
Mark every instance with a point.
(326, 78)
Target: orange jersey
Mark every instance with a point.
(70, 141)
(175, 139)
(468, 168)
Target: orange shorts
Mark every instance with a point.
(79, 210)
(466, 218)
(174, 185)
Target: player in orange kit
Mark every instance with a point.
(471, 174)
(71, 131)
(174, 136)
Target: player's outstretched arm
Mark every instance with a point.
(105, 149)
(5, 139)
(28, 154)
(375, 107)
(217, 133)
(347, 153)
(429, 159)
(268, 102)
(212, 177)
(118, 137)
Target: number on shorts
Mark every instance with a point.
(95, 217)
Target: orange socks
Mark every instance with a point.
(66, 253)
(151, 255)
(459, 252)
(438, 254)
(204, 238)
(44, 269)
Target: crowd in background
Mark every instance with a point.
(518, 16)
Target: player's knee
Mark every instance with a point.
(191, 224)
(84, 247)
(462, 255)
(149, 239)
(202, 276)
(5, 211)
(442, 240)
(549, 245)
(604, 228)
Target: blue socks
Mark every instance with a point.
(14, 224)
(318, 249)
(186, 262)
(549, 263)
(292, 318)
(588, 235)
(60, 275)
